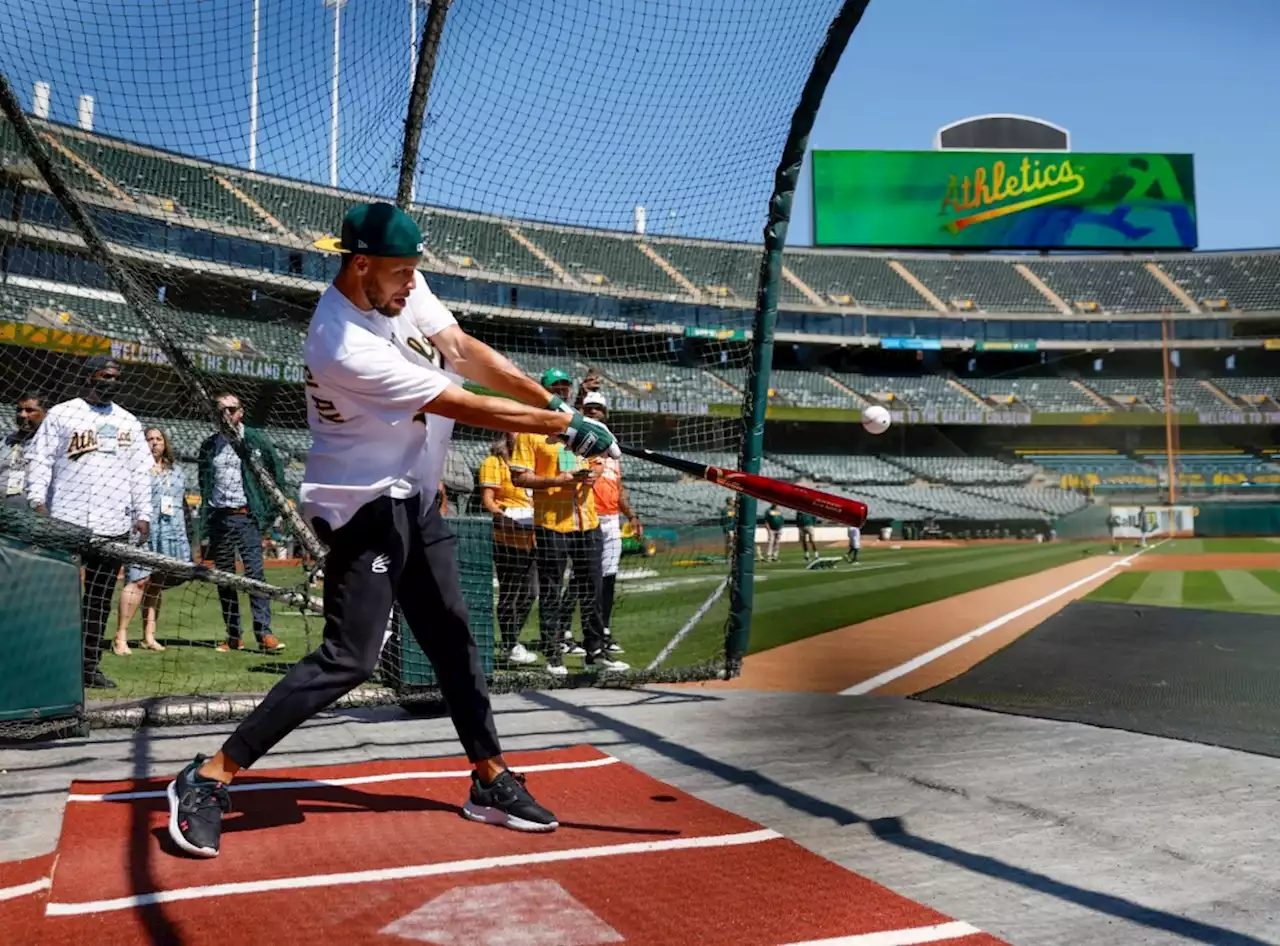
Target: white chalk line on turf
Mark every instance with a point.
(880, 679)
(910, 936)
(402, 873)
(294, 784)
(22, 890)
(689, 625)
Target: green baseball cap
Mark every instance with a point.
(554, 375)
(376, 230)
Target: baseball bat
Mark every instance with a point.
(840, 509)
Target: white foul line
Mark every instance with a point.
(10, 893)
(294, 784)
(904, 937)
(403, 873)
(880, 679)
(689, 625)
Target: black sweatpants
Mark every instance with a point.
(517, 589)
(380, 557)
(95, 603)
(555, 603)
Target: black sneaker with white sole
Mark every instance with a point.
(196, 807)
(508, 803)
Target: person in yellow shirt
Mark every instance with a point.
(566, 532)
(512, 511)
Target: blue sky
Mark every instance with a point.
(576, 110)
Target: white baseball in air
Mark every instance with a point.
(875, 419)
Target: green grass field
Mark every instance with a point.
(790, 604)
(1216, 546)
(1257, 592)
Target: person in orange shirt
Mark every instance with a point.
(611, 504)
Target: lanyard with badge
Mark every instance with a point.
(108, 437)
(166, 497)
(16, 478)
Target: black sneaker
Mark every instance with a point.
(99, 681)
(196, 807)
(507, 802)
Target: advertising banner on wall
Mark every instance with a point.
(1153, 522)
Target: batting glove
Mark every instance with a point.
(590, 438)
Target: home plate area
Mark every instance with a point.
(380, 853)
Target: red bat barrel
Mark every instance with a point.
(840, 509)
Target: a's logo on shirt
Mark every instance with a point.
(379, 566)
(425, 349)
(82, 442)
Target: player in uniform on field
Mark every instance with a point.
(611, 504)
(855, 544)
(805, 521)
(383, 358)
(774, 522)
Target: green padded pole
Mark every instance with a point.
(756, 402)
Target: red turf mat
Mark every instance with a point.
(23, 892)
(635, 861)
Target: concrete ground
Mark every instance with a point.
(1043, 833)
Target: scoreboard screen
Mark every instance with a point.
(1031, 200)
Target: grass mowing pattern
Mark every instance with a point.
(790, 604)
(1216, 546)
(1252, 592)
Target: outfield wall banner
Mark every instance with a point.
(1133, 522)
(1004, 199)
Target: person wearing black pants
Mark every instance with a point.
(567, 532)
(100, 574)
(389, 552)
(381, 406)
(582, 552)
(512, 511)
(517, 590)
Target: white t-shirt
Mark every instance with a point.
(91, 467)
(367, 378)
(855, 537)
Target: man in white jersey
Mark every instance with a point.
(89, 465)
(383, 356)
(855, 544)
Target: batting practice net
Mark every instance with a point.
(591, 180)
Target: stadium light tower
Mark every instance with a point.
(337, 6)
(253, 90)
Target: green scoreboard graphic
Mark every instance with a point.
(1034, 200)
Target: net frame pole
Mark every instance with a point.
(432, 30)
(1168, 410)
(253, 89)
(138, 300)
(755, 403)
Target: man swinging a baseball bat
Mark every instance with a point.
(384, 359)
